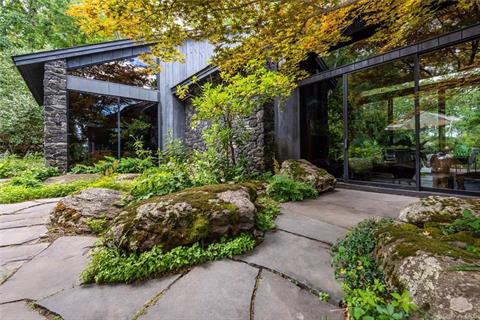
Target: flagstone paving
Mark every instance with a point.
(280, 279)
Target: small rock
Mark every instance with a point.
(460, 304)
(304, 171)
(67, 178)
(74, 214)
(126, 177)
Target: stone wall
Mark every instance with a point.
(55, 106)
(259, 146)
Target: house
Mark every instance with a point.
(407, 119)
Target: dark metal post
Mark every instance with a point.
(159, 113)
(417, 121)
(345, 126)
(119, 138)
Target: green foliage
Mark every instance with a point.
(268, 211)
(282, 189)
(111, 165)
(468, 222)
(97, 226)
(366, 296)
(17, 193)
(174, 150)
(111, 265)
(225, 105)
(461, 151)
(34, 177)
(370, 303)
(163, 180)
(324, 296)
(352, 258)
(12, 165)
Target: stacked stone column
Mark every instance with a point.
(55, 113)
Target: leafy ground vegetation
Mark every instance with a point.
(112, 265)
(366, 293)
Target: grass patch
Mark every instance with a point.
(10, 193)
(110, 265)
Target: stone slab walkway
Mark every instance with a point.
(280, 279)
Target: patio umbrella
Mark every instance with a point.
(427, 120)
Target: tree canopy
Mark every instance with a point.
(282, 31)
(26, 26)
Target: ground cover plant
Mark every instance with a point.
(283, 189)
(109, 265)
(268, 210)
(12, 165)
(11, 193)
(365, 293)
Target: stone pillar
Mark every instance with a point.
(55, 114)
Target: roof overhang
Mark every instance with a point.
(31, 66)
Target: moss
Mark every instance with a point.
(296, 170)
(410, 239)
(463, 236)
(194, 225)
(199, 229)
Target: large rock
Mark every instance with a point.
(438, 209)
(185, 217)
(435, 272)
(86, 212)
(304, 171)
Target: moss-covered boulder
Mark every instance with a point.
(438, 271)
(438, 209)
(89, 211)
(181, 218)
(304, 171)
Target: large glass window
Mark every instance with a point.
(95, 127)
(321, 125)
(130, 71)
(92, 127)
(138, 124)
(450, 118)
(381, 124)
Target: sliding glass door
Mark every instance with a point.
(381, 124)
(450, 118)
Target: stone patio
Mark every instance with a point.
(278, 280)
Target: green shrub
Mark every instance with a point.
(11, 165)
(111, 165)
(268, 211)
(282, 188)
(111, 265)
(34, 177)
(97, 226)
(17, 193)
(352, 259)
(363, 284)
(163, 180)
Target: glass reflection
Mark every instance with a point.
(94, 123)
(450, 118)
(131, 71)
(321, 125)
(92, 127)
(381, 129)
